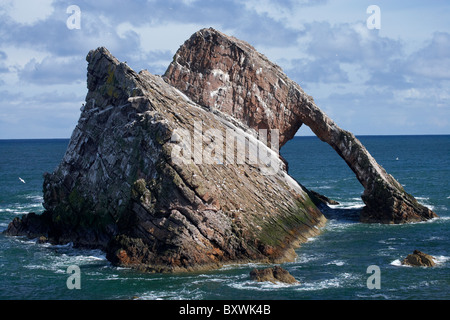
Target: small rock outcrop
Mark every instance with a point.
(227, 74)
(320, 199)
(30, 225)
(419, 259)
(274, 275)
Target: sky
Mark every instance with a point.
(384, 72)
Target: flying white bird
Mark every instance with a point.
(23, 181)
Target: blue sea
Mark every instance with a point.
(331, 266)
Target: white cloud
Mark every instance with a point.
(47, 114)
(433, 60)
(159, 37)
(270, 8)
(17, 57)
(54, 70)
(188, 2)
(354, 74)
(28, 12)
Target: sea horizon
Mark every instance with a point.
(296, 136)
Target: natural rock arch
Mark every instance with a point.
(117, 187)
(224, 73)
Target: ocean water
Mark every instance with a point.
(331, 266)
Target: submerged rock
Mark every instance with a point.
(227, 74)
(275, 274)
(419, 259)
(320, 199)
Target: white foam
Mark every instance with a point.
(336, 282)
(149, 296)
(439, 260)
(433, 238)
(260, 286)
(24, 241)
(303, 259)
(390, 240)
(112, 277)
(378, 296)
(183, 294)
(348, 205)
(123, 268)
(338, 263)
(398, 263)
(59, 262)
(20, 209)
(322, 187)
(35, 198)
(209, 279)
(324, 284)
(337, 225)
(423, 201)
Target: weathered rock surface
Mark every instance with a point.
(419, 259)
(227, 74)
(274, 275)
(119, 188)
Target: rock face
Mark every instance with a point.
(227, 74)
(275, 274)
(144, 178)
(419, 259)
(120, 188)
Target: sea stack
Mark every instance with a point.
(144, 178)
(119, 187)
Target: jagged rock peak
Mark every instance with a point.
(228, 74)
(119, 187)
